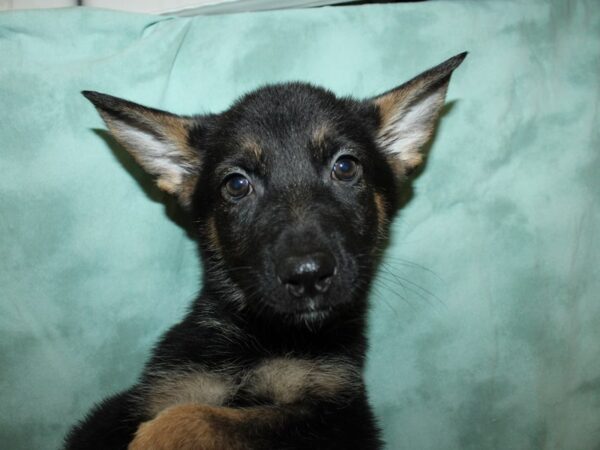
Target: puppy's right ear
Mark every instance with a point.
(158, 140)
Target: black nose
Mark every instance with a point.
(307, 275)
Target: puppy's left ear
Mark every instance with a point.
(408, 114)
(159, 141)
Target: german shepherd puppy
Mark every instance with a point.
(291, 191)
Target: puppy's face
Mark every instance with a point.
(291, 188)
(292, 194)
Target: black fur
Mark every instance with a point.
(285, 139)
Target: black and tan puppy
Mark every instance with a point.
(291, 191)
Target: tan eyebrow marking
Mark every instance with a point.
(320, 133)
(251, 145)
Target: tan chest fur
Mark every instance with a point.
(288, 380)
(279, 380)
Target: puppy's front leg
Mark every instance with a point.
(194, 426)
(297, 426)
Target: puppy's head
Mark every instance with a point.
(291, 188)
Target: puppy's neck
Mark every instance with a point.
(343, 333)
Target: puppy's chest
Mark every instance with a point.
(276, 380)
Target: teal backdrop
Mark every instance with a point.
(485, 320)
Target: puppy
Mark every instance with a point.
(291, 191)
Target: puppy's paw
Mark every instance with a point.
(187, 427)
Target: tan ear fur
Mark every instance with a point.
(158, 140)
(408, 115)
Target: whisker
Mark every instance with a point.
(406, 262)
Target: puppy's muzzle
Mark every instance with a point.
(307, 275)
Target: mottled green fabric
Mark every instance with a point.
(485, 326)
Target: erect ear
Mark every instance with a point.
(408, 114)
(158, 140)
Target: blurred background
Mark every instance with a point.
(180, 7)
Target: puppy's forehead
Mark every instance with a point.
(285, 120)
(306, 140)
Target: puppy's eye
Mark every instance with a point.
(236, 186)
(345, 168)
